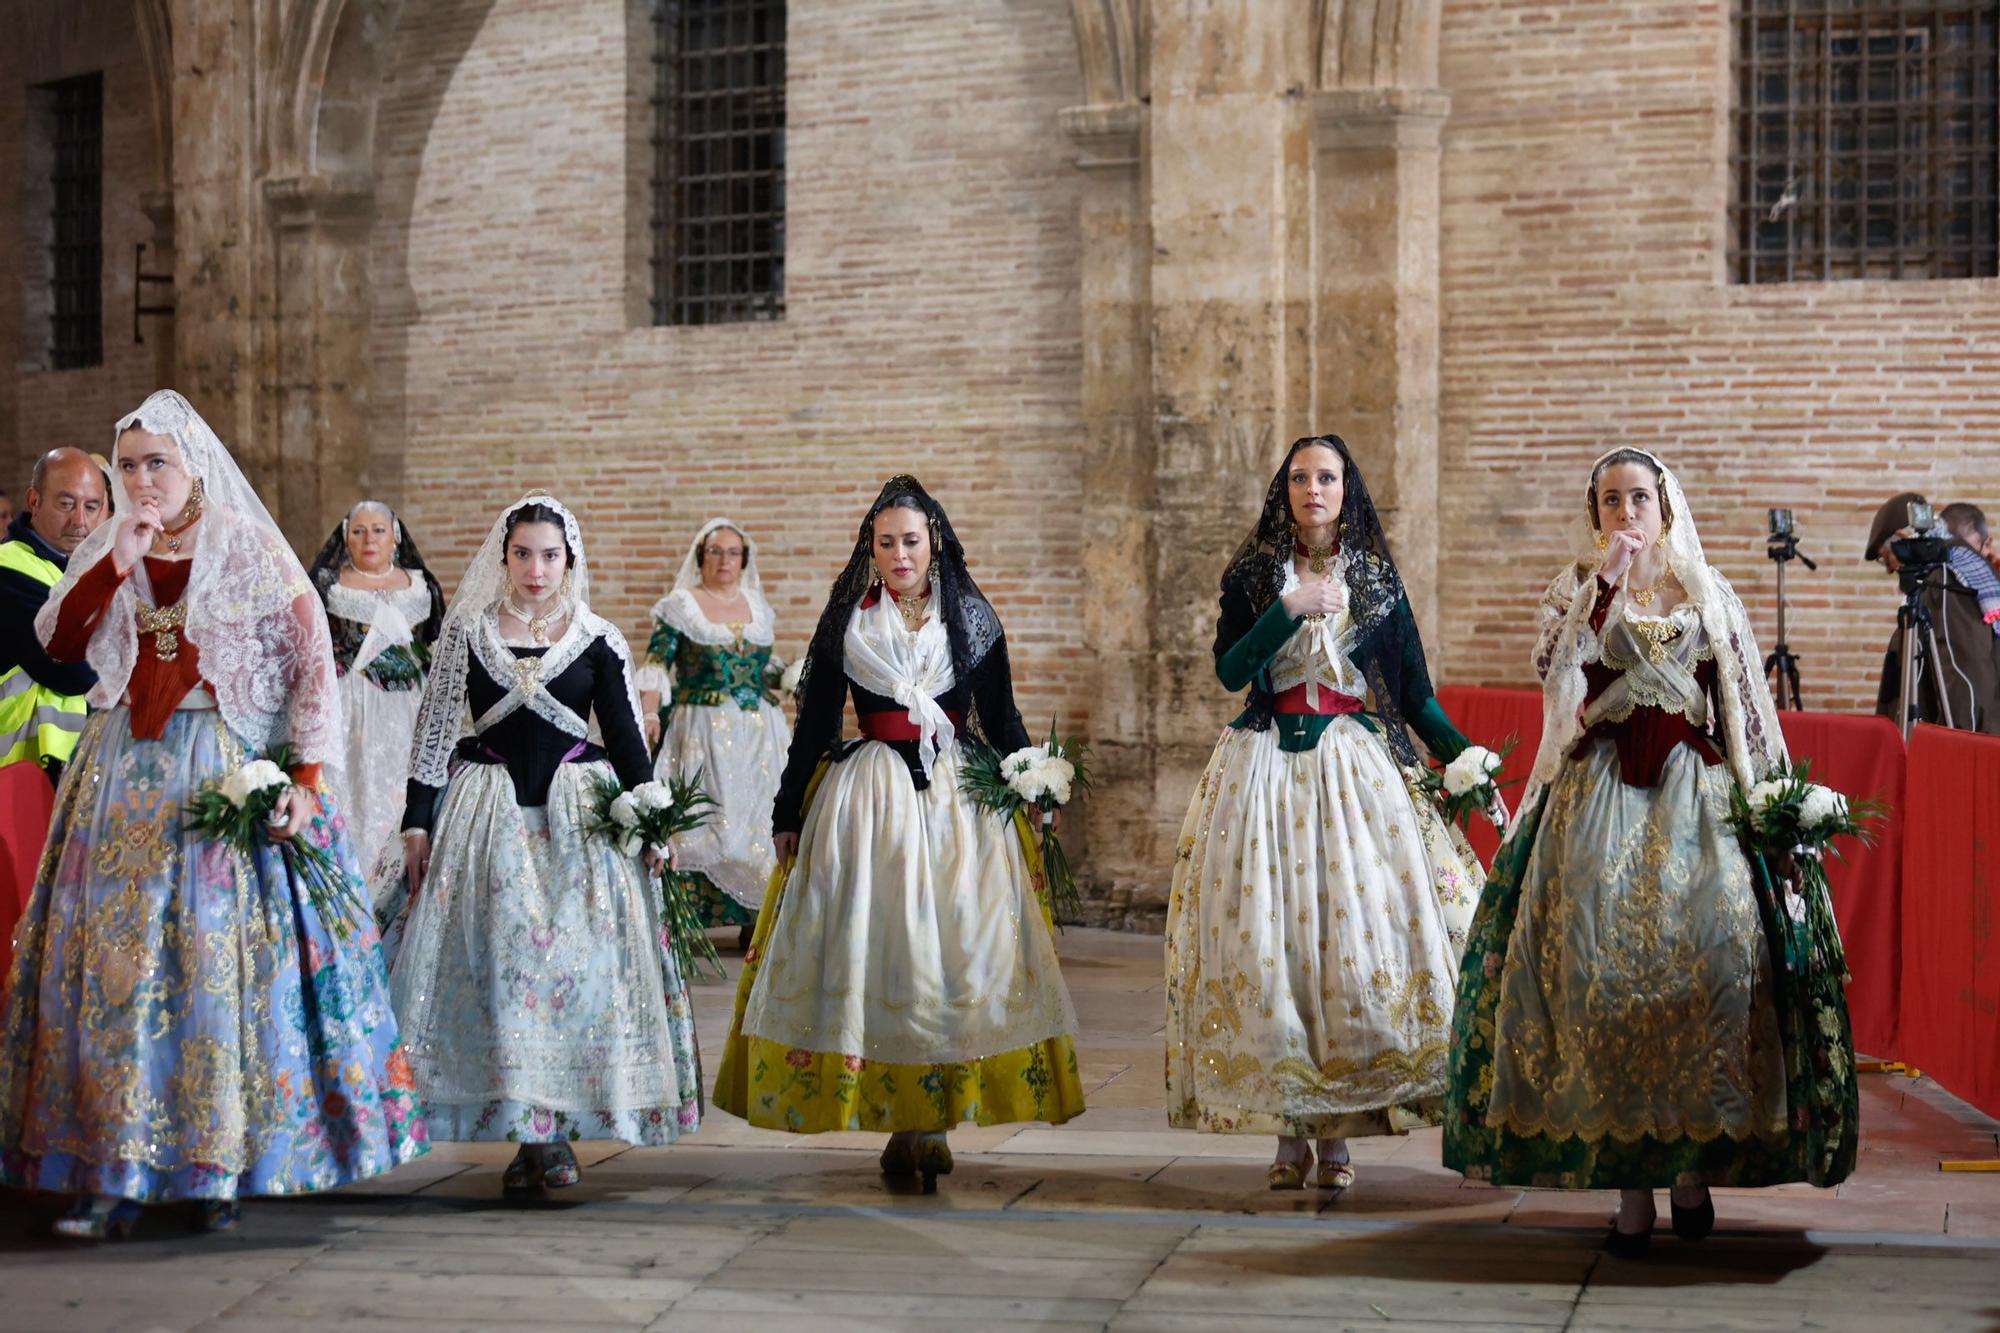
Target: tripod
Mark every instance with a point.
(1781, 664)
(1920, 651)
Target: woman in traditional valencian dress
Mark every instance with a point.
(1317, 905)
(710, 661)
(384, 609)
(182, 1021)
(1620, 1023)
(539, 996)
(904, 978)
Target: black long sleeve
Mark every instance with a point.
(21, 599)
(993, 697)
(624, 744)
(532, 748)
(820, 716)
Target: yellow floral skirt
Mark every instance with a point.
(802, 1091)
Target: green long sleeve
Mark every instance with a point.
(1239, 665)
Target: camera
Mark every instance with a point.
(1781, 522)
(1922, 517)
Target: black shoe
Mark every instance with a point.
(1694, 1223)
(1628, 1244)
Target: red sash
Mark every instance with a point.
(1332, 703)
(896, 726)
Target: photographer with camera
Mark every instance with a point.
(1943, 641)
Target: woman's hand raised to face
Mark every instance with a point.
(136, 532)
(1323, 598)
(1621, 549)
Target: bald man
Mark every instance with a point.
(41, 700)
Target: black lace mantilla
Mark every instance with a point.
(1387, 647)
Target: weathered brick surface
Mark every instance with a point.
(1585, 307)
(41, 408)
(931, 327)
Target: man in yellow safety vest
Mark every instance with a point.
(41, 700)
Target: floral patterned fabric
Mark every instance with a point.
(713, 907)
(1638, 1008)
(777, 1084)
(538, 990)
(181, 1022)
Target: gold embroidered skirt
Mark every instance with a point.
(1310, 951)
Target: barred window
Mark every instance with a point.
(1865, 141)
(719, 161)
(74, 110)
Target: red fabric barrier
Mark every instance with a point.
(26, 803)
(1489, 716)
(1951, 913)
(1862, 758)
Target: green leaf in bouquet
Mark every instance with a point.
(694, 952)
(980, 778)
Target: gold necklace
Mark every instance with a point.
(913, 609)
(163, 623)
(1317, 556)
(1645, 596)
(190, 515)
(538, 625)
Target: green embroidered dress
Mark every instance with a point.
(1639, 1005)
(719, 716)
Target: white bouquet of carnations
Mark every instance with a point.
(648, 818)
(1040, 776)
(1044, 776)
(1469, 783)
(1790, 815)
(239, 810)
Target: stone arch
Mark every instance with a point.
(157, 47)
(1111, 48)
(1376, 43)
(325, 86)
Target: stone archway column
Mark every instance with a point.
(313, 390)
(1375, 334)
(1121, 554)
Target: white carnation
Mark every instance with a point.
(1473, 768)
(631, 844)
(252, 778)
(625, 810)
(789, 681)
(1765, 794)
(1023, 761)
(1822, 805)
(653, 796)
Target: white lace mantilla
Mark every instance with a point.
(679, 611)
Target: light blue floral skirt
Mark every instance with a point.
(181, 1021)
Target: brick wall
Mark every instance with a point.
(1585, 307)
(39, 408)
(931, 327)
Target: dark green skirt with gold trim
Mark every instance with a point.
(1822, 1098)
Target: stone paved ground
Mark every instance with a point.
(1113, 1221)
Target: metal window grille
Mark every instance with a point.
(1866, 141)
(76, 235)
(719, 161)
